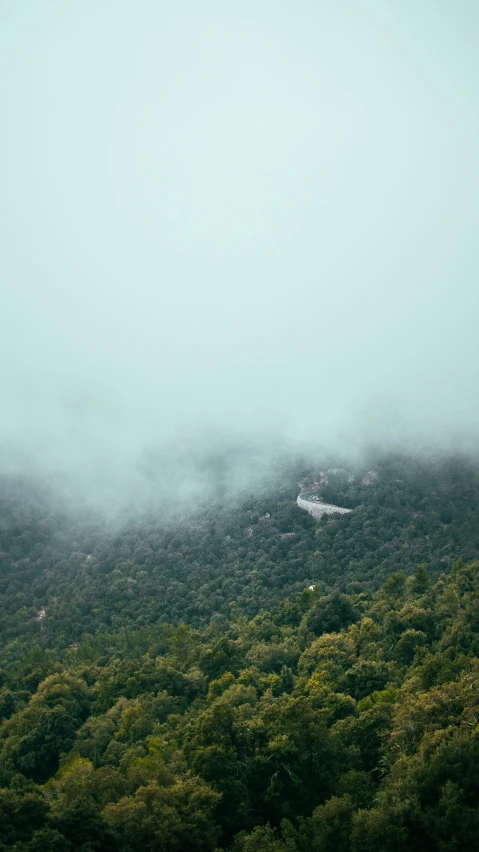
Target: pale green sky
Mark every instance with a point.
(257, 215)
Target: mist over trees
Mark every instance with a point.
(243, 676)
(238, 264)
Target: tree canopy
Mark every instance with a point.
(210, 683)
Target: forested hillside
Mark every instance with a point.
(173, 682)
(226, 558)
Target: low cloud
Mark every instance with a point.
(230, 227)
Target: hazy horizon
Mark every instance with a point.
(229, 224)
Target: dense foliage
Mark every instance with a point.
(188, 690)
(228, 558)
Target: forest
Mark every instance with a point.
(242, 677)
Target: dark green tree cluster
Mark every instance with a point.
(226, 558)
(330, 721)
(243, 677)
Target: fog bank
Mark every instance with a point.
(235, 223)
